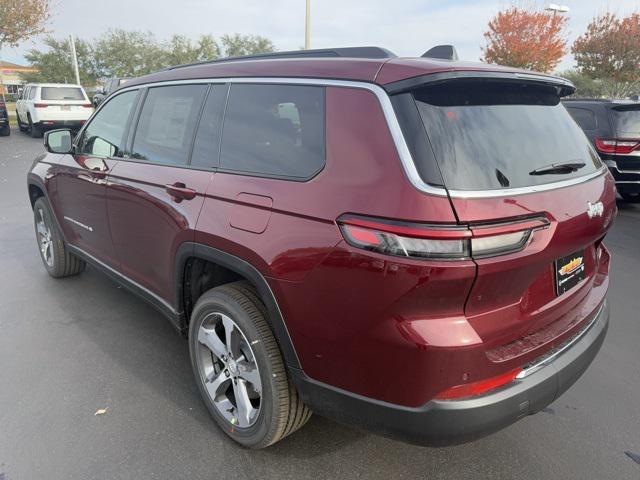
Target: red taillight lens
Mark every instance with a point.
(617, 146)
(40, 105)
(87, 105)
(438, 241)
(406, 239)
(478, 388)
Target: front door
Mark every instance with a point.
(79, 193)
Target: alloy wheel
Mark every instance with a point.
(228, 368)
(45, 240)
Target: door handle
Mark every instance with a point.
(179, 191)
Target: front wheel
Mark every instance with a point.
(58, 261)
(239, 369)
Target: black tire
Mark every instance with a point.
(5, 131)
(21, 126)
(62, 263)
(34, 131)
(281, 410)
(630, 197)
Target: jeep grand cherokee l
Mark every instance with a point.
(413, 246)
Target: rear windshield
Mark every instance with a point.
(61, 93)
(492, 135)
(626, 120)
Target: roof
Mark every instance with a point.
(376, 70)
(15, 66)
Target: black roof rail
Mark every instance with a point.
(346, 52)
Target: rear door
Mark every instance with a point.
(496, 145)
(154, 196)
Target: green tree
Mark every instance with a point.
(236, 45)
(181, 49)
(586, 87)
(54, 63)
(122, 53)
(22, 19)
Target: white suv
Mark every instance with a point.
(43, 106)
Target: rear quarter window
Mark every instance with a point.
(274, 130)
(584, 117)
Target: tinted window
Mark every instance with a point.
(61, 93)
(207, 144)
(167, 124)
(585, 118)
(275, 130)
(103, 137)
(626, 120)
(491, 136)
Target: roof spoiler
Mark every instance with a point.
(442, 52)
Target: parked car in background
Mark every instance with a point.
(5, 128)
(414, 245)
(110, 87)
(45, 106)
(613, 127)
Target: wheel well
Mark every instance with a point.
(200, 276)
(35, 192)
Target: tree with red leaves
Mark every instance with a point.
(526, 38)
(610, 51)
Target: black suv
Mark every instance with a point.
(613, 126)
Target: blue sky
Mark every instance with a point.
(407, 27)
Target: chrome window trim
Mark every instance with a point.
(406, 159)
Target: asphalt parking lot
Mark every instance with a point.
(70, 347)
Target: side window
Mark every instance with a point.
(32, 92)
(103, 137)
(167, 124)
(583, 117)
(207, 144)
(274, 130)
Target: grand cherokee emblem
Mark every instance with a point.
(595, 209)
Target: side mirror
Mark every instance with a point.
(58, 141)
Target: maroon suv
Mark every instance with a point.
(412, 245)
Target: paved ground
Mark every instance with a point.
(70, 347)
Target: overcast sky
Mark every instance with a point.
(406, 27)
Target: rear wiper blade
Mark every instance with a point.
(558, 168)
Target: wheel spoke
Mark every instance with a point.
(210, 339)
(215, 382)
(42, 229)
(231, 339)
(243, 403)
(249, 372)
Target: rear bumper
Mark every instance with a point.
(626, 180)
(51, 124)
(441, 423)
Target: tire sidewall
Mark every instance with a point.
(217, 301)
(58, 246)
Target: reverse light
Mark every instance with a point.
(437, 241)
(478, 388)
(617, 146)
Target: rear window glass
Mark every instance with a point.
(274, 130)
(61, 93)
(626, 121)
(492, 135)
(583, 117)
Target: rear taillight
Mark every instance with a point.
(443, 242)
(40, 105)
(86, 105)
(478, 388)
(617, 146)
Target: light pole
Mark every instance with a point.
(74, 58)
(555, 8)
(307, 27)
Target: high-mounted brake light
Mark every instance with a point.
(437, 241)
(478, 388)
(617, 146)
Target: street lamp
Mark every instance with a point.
(307, 27)
(555, 8)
